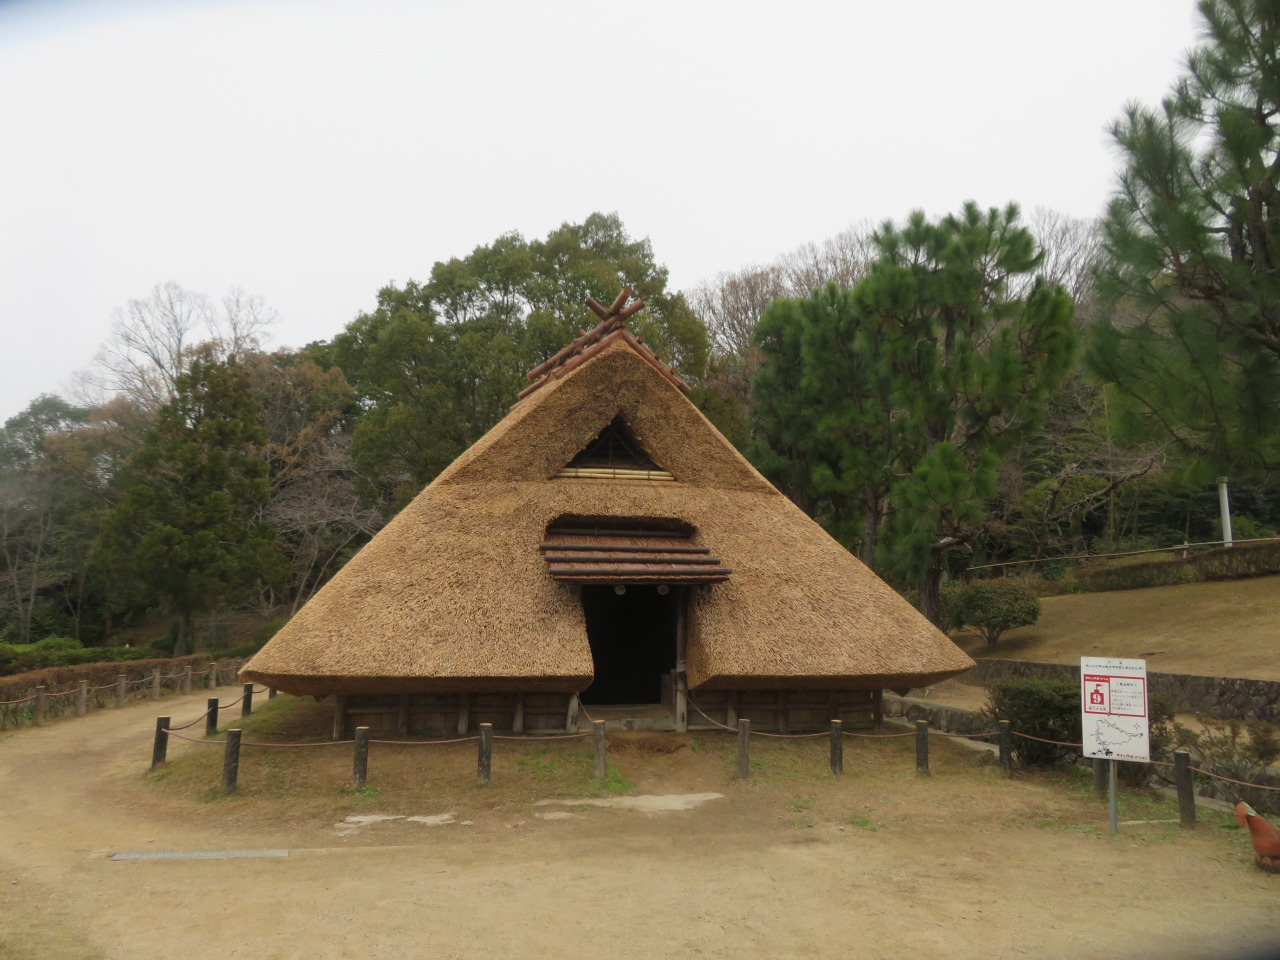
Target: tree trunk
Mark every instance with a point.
(931, 593)
(184, 631)
(870, 533)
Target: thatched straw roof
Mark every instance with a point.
(454, 593)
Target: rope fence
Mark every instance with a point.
(1242, 783)
(50, 703)
(1057, 743)
(1004, 736)
(233, 743)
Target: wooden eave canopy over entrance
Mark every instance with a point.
(629, 556)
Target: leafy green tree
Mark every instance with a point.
(1190, 343)
(435, 365)
(428, 388)
(33, 497)
(187, 530)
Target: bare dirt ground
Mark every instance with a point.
(792, 863)
(1228, 628)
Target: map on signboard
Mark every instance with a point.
(1113, 708)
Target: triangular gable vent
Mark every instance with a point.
(615, 454)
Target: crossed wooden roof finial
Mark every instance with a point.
(612, 327)
(617, 311)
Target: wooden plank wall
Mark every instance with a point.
(392, 715)
(787, 711)
(443, 715)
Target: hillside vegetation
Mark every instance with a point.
(1225, 628)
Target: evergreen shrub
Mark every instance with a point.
(991, 606)
(1049, 709)
(61, 652)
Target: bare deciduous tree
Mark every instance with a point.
(1071, 247)
(841, 260)
(153, 341)
(731, 303)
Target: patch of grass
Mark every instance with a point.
(1145, 805)
(1223, 821)
(615, 783)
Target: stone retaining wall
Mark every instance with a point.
(1222, 697)
(940, 717)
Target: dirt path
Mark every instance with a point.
(962, 878)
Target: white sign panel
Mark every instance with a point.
(1113, 707)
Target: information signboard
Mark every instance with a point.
(1113, 706)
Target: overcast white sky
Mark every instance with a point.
(312, 152)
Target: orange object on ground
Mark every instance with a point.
(1265, 837)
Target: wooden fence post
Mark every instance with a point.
(211, 679)
(360, 768)
(37, 714)
(82, 698)
(339, 716)
(155, 682)
(185, 688)
(517, 721)
(1186, 789)
(1099, 778)
(484, 762)
(1006, 747)
(122, 689)
(211, 717)
(601, 746)
(161, 745)
(922, 747)
(571, 715)
(464, 713)
(231, 762)
(246, 704)
(744, 748)
(271, 693)
(682, 702)
(837, 747)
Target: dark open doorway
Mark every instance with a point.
(633, 643)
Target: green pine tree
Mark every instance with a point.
(825, 414)
(1190, 343)
(186, 534)
(978, 343)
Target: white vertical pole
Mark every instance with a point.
(1111, 803)
(1225, 505)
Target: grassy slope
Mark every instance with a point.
(1227, 628)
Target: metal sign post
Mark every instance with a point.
(1113, 713)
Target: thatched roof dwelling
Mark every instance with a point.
(603, 482)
